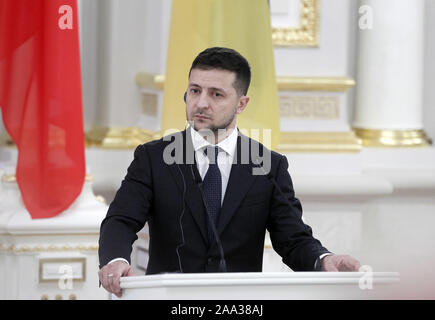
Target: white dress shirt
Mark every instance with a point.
(224, 160)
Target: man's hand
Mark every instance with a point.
(111, 273)
(340, 263)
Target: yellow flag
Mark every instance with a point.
(243, 25)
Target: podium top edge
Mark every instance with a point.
(260, 275)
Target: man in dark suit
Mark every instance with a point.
(209, 193)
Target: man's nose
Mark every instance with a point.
(203, 101)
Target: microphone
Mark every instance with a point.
(222, 262)
(180, 221)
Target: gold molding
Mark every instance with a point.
(284, 83)
(150, 81)
(314, 83)
(8, 178)
(393, 138)
(119, 138)
(82, 234)
(290, 142)
(50, 248)
(306, 34)
(330, 142)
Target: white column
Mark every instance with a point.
(390, 69)
(120, 39)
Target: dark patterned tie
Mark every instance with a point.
(212, 187)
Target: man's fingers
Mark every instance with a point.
(355, 265)
(336, 263)
(110, 276)
(116, 286)
(110, 282)
(103, 279)
(348, 263)
(130, 272)
(330, 268)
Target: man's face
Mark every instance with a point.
(211, 101)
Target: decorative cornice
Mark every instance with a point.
(393, 138)
(47, 248)
(119, 138)
(319, 142)
(290, 141)
(314, 83)
(284, 83)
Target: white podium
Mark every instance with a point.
(261, 286)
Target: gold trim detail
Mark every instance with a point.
(150, 81)
(319, 142)
(290, 142)
(314, 83)
(9, 178)
(284, 83)
(51, 234)
(308, 107)
(393, 138)
(101, 199)
(50, 248)
(119, 138)
(306, 35)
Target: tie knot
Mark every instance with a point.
(212, 154)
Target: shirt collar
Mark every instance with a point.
(228, 144)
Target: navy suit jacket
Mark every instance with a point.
(153, 192)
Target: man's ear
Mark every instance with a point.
(243, 102)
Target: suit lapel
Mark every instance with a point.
(186, 176)
(239, 183)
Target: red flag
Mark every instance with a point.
(41, 100)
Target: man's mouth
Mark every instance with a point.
(201, 116)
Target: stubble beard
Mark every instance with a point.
(216, 129)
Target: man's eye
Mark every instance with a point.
(194, 90)
(217, 94)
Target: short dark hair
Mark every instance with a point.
(225, 59)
